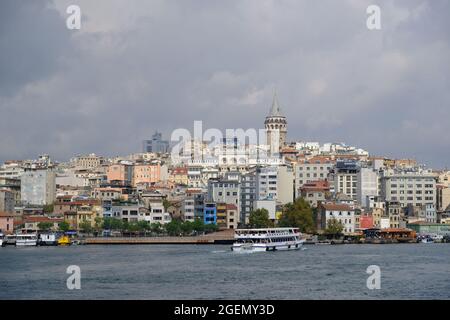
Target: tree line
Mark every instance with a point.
(297, 214)
(175, 227)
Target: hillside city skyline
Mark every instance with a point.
(129, 70)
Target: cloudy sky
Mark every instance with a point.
(140, 66)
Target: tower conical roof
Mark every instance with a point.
(275, 110)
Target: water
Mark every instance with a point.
(419, 271)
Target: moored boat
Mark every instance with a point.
(427, 240)
(25, 240)
(267, 239)
(47, 239)
(10, 240)
(2, 237)
(64, 241)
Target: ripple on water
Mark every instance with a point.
(214, 272)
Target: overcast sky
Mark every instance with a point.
(140, 66)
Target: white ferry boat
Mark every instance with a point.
(9, 239)
(26, 240)
(268, 239)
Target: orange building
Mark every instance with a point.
(146, 174)
(120, 172)
(6, 222)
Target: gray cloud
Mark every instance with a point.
(136, 67)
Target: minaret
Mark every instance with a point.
(276, 127)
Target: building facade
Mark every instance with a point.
(7, 200)
(313, 169)
(343, 213)
(408, 187)
(38, 187)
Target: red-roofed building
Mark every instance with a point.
(31, 223)
(312, 169)
(64, 204)
(179, 175)
(315, 192)
(343, 213)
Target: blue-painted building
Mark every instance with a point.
(210, 213)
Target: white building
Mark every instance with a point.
(366, 186)
(269, 205)
(275, 183)
(89, 161)
(224, 191)
(346, 178)
(343, 213)
(385, 223)
(188, 209)
(408, 187)
(38, 187)
(69, 178)
(157, 212)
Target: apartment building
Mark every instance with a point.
(38, 187)
(408, 187)
(345, 176)
(313, 169)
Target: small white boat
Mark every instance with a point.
(427, 240)
(23, 240)
(75, 242)
(437, 237)
(267, 239)
(2, 237)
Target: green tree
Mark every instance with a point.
(298, 214)
(143, 225)
(187, 227)
(98, 223)
(198, 225)
(112, 224)
(259, 218)
(156, 228)
(134, 227)
(48, 208)
(64, 226)
(86, 227)
(125, 226)
(211, 227)
(334, 227)
(44, 226)
(173, 228)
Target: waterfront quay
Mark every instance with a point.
(223, 237)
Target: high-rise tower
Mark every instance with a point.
(276, 127)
